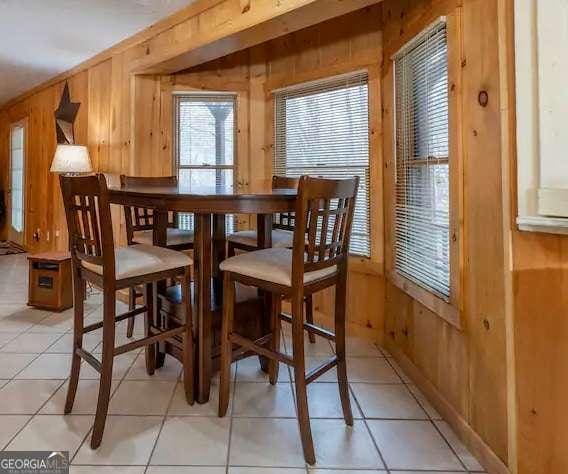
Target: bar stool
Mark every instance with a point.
(95, 260)
(282, 226)
(282, 237)
(140, 229)
(324, 212)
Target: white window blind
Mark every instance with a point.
(17, 178)
(322, 129)
(422, 162)
(205, 140)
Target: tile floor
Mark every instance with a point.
(150, 428)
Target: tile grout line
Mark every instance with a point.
(232, 417)
(32, 416)
(231, 407)
(5, 343)
(430, 419)
(172, 396)
(110, 398)
(375, 444)
(291, 381)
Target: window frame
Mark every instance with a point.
(12, 233)
(176, 96)
(361, 261)
(231, 220)
(451, 309)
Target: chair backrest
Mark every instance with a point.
(284, 220)
(142, 218)
(89, 221)
(324, 216)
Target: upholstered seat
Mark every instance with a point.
(280, 238)
(175, 237)
(274, 265)
(141, 259)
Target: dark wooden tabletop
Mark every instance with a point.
(215, 200)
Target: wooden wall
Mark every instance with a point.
(112, 94)
(463, 370)
(541, 350)
(126, 121)
(349, 43)
(540, 320)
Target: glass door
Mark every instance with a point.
(16, 196)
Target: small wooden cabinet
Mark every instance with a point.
(50, 281)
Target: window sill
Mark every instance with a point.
(447, 311)
(549, 225)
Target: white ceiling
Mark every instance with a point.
(42, 38)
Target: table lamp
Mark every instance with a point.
(71, 160)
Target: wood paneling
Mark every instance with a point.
(126, 121)
(541, 350)
(118, 108)
(232, 26)
(468, 367)
(539, 264)
(349, 43)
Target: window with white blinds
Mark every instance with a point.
(322, 129)
(422, 252)
(205, 141)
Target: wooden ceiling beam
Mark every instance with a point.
(232, 26)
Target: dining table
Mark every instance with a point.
(209, 206)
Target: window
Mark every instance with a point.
(322, 129)
(17, 143)
(422, 215)
(204, 144)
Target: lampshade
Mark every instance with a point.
(71, 159)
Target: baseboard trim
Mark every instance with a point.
(487, 458)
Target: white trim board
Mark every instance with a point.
(548, 225)
(541, 35)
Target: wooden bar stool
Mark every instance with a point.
(282, 226)
(140, 229)
(324, 212)
(282, 237)
(94, 259)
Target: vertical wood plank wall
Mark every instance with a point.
(126, 121)
(337, 46)
(464, 370)
(540, 309)
(541, 350)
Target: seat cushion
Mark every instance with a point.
(141, 259)
(274, 265)
(175, 236)
(280, 238)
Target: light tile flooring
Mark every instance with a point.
(151, 429)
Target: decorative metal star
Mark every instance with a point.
(65, 116)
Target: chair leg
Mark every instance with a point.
(150, 350)
(310, 316)
(131, 306)
(78, 314)
(275, 327)
(340, 302)
(226, 344)
(300, 379)
(230, 250)
(188, 350)
(109, 306)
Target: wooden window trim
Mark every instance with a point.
(375, 264)
(452, 310)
